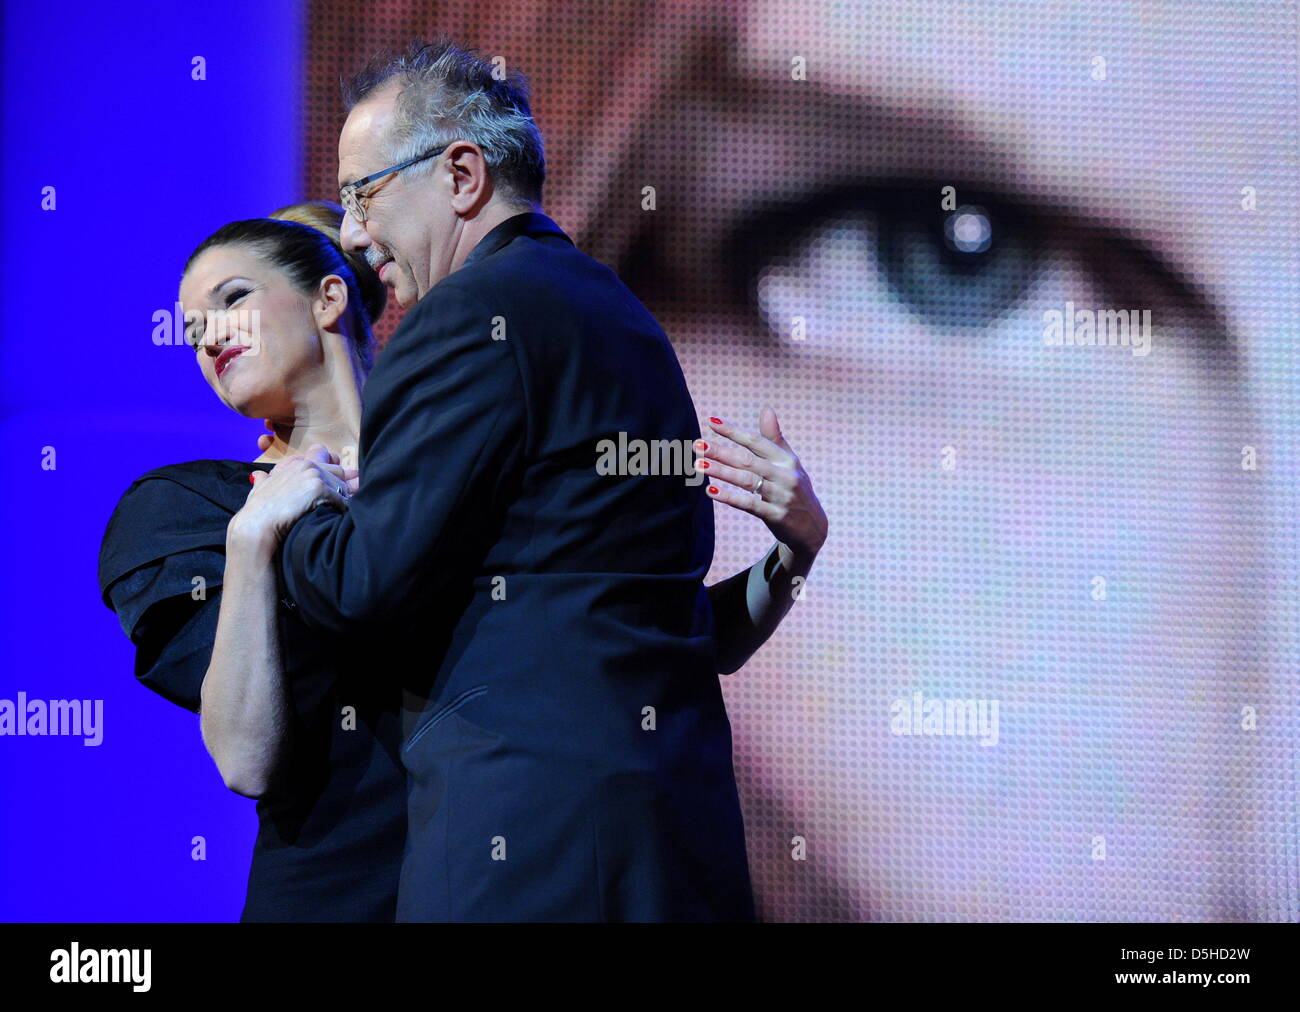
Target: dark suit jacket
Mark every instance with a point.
(567, 748)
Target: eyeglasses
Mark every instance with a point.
(351, 200)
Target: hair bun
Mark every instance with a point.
(328, 218)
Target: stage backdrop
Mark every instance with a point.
(131, 132)
(1095, 540)
(896, 224)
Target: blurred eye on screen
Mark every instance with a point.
(815, 269)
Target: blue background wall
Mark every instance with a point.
(99, 102)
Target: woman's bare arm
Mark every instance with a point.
(244, 702)
(750, 605)
(244, 707)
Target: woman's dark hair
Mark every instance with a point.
(303, 241)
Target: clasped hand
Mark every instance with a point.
(296, 485)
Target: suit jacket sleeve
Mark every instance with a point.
(442, 431)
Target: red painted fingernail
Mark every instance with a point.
(713, 490)
(251, 479)
(703, 464)
(701, 445)
(715, 421)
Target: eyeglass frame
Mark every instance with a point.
(351, 201)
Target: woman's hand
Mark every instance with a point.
(296, 485)
(764, 461)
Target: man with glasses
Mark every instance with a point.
(353, 195)
(567, 748)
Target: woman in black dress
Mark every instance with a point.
(293, 716)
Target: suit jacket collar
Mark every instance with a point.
(527, 223)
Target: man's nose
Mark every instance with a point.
(352, 235)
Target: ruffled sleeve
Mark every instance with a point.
(163, 538)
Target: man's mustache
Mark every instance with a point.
(377, 256)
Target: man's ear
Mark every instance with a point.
(331, 300)
(471, 182)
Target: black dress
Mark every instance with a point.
(330, 838)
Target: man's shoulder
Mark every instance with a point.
(526, 286)
(525, 274)
(452, 291)
(528, 260)
(444, 310)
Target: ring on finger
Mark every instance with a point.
(758, 489)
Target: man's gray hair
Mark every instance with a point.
(451, 93)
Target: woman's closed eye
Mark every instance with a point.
(196, 331)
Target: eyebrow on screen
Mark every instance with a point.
(941, 148)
